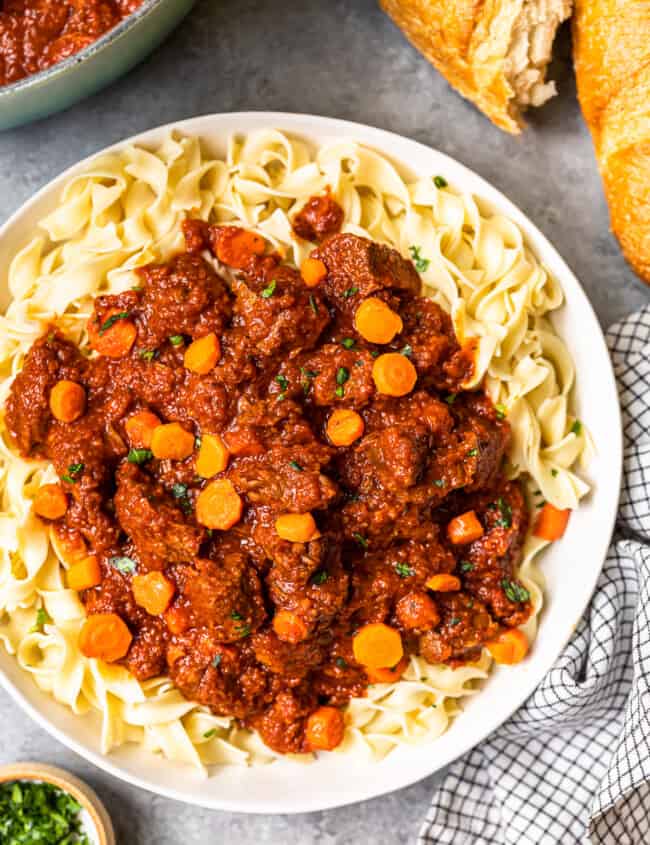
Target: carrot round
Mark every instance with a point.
(394, 374)
(219, 505)
(177, 619)
(387, 675)
(296, 527)
(551, 522)
(344, 427)
(153, 591)
(213, 456)
(84, 574)
(114, 335)
(325, 728)
(464, 528)
(235, 247)
(140, 428)
(172, 441)
(67, 401)
(443, 583)
(377, 645)
(105, 636)
(417, 610)
(313, 272)
(289, 627)
(50, 501)
(376, 322)
(509, 647)
(202, 354)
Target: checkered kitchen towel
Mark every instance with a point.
(573, 763)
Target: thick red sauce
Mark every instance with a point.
(35, 34)
(382, 505)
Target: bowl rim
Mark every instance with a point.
(607, 489)
(35, 80)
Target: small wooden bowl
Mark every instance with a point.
(103, 829)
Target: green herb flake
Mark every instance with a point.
(236, 615)
(576, 428)
(472, 453)
(319, 577)
(375, 353)
(137, 288)
(466, 566)
(177, 340)
(403, 570)
(440, 181)
(455, 620)
(198, 442)
(361, 540)
(421, 264)
(339, 391)
(342, 375)
(33, 812)
(501, 411)
(340, 662)
(541, 504)
(295, 465)
(451, 398)
(139, 456)
(514, 591)
(268, 292)
(42, 618)
(73, 473)
(350, 292)
(243, 630)
(106, 325)
(212, 732)
(282, 381)
(216, 660)
(348, 342)
(439, 482)
(122, 563)
(406, 350)
(148, 354)
(554, 473)
(313, 304)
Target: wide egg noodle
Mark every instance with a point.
(124, 211)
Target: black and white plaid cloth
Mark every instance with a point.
(573, 763)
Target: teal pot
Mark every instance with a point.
(84, 73)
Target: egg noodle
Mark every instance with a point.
(125, 211)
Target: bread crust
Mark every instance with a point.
(611, 47)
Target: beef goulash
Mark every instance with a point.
(272, 483)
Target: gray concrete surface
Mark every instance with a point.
(345, 59)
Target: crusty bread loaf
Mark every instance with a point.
(611, 44)
(495, 52)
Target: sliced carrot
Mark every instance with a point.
(509, 647)
(172, 441)
(443, 583)
(296, 527)
(219, 505)
(387, 675)
(289, 627)
(325, 728)
(105, 636)
(313, 272)
(377, 645)
(464, 528)
(177, 619)
(202, 354)
(153, 591)
(140, 428)
(114, 335)
(67, 401)
(344, 427)
(50, 501)
(376, 322)
(85, 574)
(394, 374)
(551, 522)
(235, 247)
(213, 456)
(417, 610)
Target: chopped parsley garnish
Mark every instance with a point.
(340, 662)
(340, 392)
(501, 411)
(282, 381)
(268, 292)
(106, 325)
(376, 353)
(42, 618)
(209, 734)
(308, 375)
(320, 577)
(74, 471)
(554, 473)
(439, 482)
(403, 570)
(148, 354)
(451, 398)
(295, 465)
(139, 456)
(179, 491)
(313, 304)
(348, 342)
(514, 591)
(176, 339)
(505, 521)
(236, 615)
(466, 566)
(406, 350)
(455, 620)
(216, 660)
(137, 287)
(472, 453)
(576, 428)
(122, 563)
(421, 264)
(197, 442)
(440, 181)
(342, 375)
(243, 630)
(361, 540)
(350, 292)
(34, 812)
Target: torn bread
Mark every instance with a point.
(495, 52)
